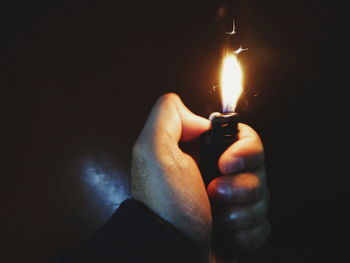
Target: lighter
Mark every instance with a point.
(224, 127)
(223, 132)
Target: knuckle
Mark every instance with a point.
(168, 98)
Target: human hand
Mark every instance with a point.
(240, 197)
(165, 178)
(169, 182)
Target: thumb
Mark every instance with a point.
(171, 118)
(192, 124)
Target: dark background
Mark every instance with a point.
(81, 77)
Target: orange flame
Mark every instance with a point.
(231, 82)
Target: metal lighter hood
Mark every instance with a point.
(223, 132)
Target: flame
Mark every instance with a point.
(231, 82)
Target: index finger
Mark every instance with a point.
(246, 153)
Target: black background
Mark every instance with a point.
(83, 75)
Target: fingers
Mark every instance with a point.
(248, 240)
(240, 205)
(243, 188)
(246, 153)
(237, 217)
(240, 197)
(171, 119)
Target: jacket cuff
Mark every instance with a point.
(134, 234)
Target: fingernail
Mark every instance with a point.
(236, 164)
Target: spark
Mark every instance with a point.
(233, 29)
(240, 50)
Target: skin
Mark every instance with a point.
(231, 214)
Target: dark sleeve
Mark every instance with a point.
(133, 234)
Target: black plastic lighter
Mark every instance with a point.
(223, 132)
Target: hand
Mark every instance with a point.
(165, 178)
(240, 197)
(169, 182)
